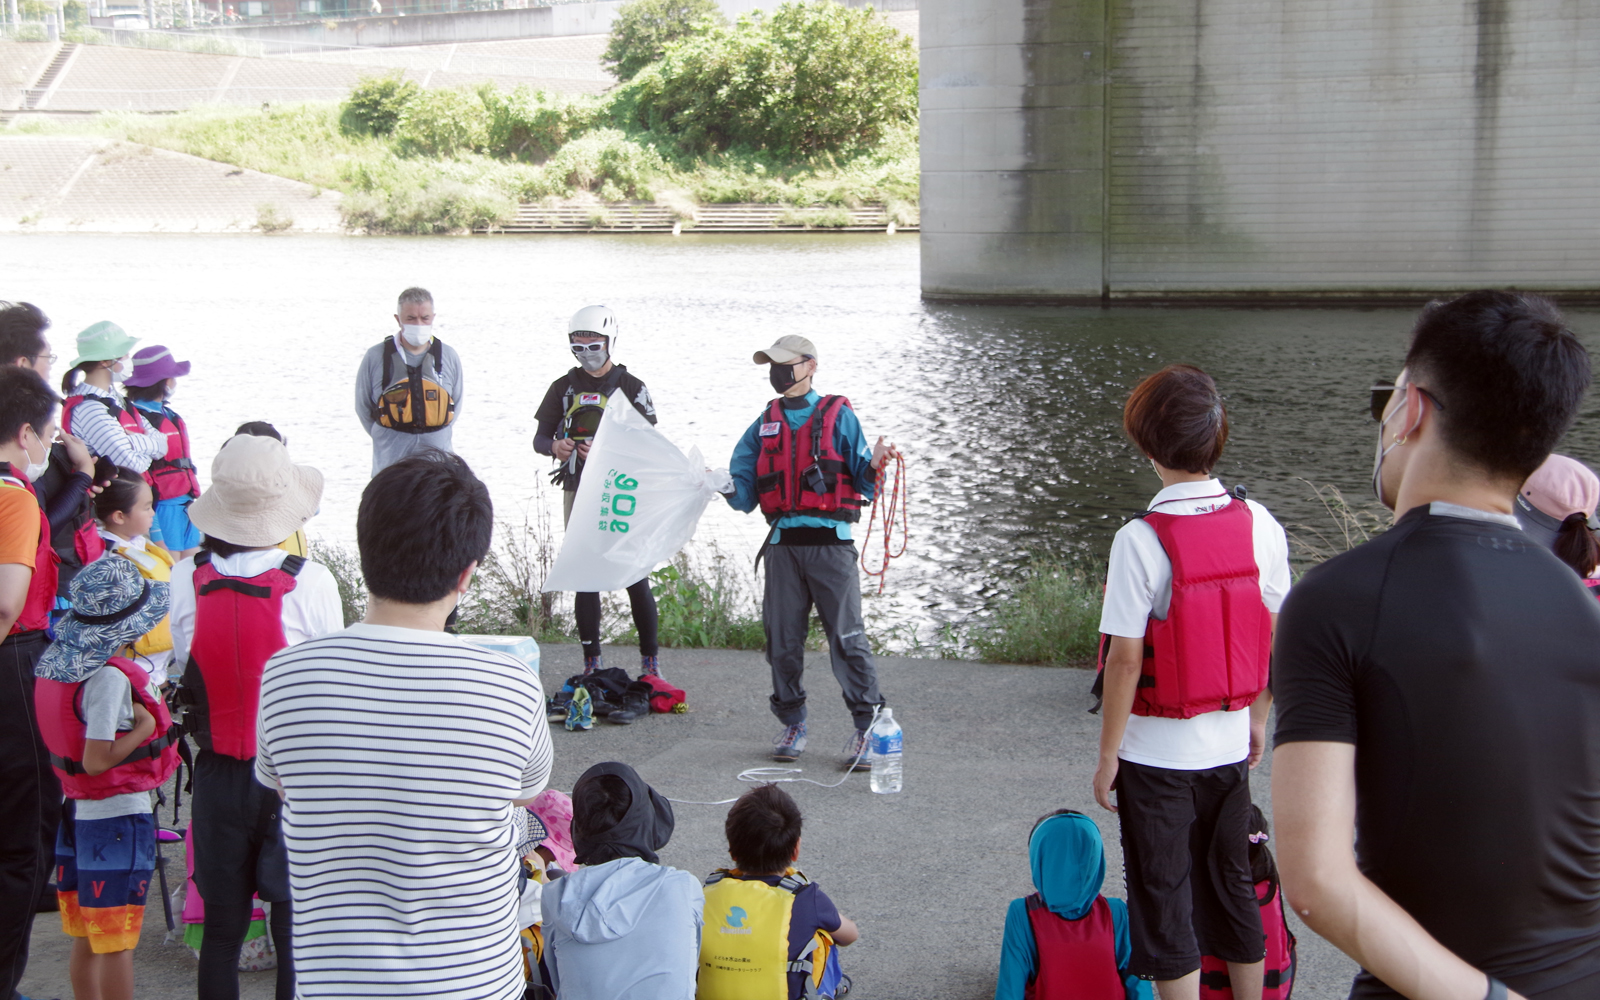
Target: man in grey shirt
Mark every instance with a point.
(410, 386)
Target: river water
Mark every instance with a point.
(1009, 416)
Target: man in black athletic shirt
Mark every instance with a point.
(1438, 688)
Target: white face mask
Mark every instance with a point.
(416, 334)
(1381, 452)
(36, 469)
(121, 370)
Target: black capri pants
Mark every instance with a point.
(1186, 856)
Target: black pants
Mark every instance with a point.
(30, 802)
(1186, 857)
(586, 608)
(238, 852)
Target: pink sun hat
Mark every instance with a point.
(153, 364)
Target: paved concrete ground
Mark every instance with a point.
(926, 873)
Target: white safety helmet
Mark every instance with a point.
(596, 320)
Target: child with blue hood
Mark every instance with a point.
(1066, 940)
(622, 925)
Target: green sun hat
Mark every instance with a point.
(104, 341)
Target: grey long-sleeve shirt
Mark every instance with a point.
(390, 446)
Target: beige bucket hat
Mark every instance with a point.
(786, 351)
(257, 496)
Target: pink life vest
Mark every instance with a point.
(172, 475)
(126, 415)
(238, 625)
(1077, 958)
(1277, 973)
(61, 723)
(1213, 650)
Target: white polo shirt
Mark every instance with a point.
(1139, 587)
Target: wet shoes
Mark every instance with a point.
(791, 743)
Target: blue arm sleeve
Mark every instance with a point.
(742, 466)
(1138, 989)
(1019, 957)
(852, 444)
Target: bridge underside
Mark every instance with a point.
(1227, 150)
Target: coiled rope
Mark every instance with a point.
(895, 511)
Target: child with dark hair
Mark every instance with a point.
(154, 380)
(1277, 982)
(1556, 505)
(622, 925)
(126, 509)
(774, 929)
(1067, 941)
(1193, 588)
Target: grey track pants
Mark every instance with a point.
(798, 577)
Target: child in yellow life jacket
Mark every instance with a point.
(769, 931)
(126, 510)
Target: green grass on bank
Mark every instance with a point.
(386, 191)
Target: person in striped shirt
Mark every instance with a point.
(402, 753)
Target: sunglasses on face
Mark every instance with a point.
(1384, 391)
(588, 348)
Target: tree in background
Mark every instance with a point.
(813, 77)
(644, 28)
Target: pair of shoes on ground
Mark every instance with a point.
(649, 666)
(791, 743)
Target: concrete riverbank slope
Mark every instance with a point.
(70, 184)
(1107, 150)
(927, 873)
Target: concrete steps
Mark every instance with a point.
(40, 91)
(648, 217)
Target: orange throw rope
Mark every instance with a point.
(894, 511)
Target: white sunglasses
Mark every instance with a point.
(588, 348)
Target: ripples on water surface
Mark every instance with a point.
(1010, 417)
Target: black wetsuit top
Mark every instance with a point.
(1463, 661)
(552, 410)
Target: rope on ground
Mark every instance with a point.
(896, 510)
(775, 775)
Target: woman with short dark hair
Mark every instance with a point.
(1192, 593)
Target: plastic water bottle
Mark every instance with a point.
(884, 745)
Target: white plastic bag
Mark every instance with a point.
(638, 504)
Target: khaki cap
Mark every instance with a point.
(257, 496)
(786, 351)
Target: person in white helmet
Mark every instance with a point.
(568, 418)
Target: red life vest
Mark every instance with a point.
(1277, 974)
(126, 415)
(800, 471)
(41, 595)
(238, 625)
(1213, 650)
(1077, 958)
(60, 708)
(171, 475)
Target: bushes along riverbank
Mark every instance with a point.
(811, 106)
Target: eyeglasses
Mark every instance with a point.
(52, 358)
(588, 348)
(1384, 391)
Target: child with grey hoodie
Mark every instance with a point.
(622, 925)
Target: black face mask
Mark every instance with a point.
(782, 377)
